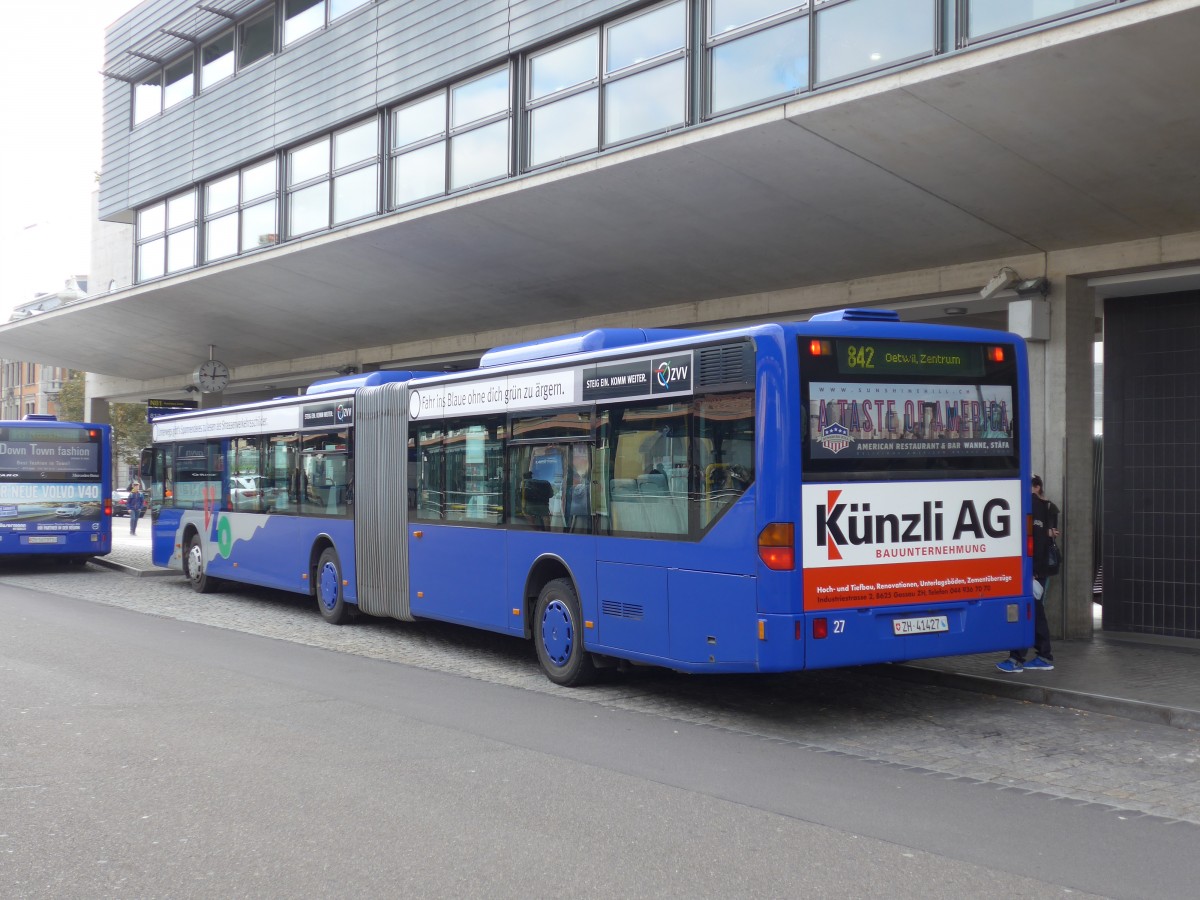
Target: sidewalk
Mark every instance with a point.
(1128, 675)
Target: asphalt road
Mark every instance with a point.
(144, 756)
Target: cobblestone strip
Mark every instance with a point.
(1083, 757)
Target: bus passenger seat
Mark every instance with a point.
(627, 514)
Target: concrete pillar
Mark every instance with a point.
(1062, 447)
(95, 404)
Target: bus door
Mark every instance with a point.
(456, 540)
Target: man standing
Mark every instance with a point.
(136, 503)
(1045, 530)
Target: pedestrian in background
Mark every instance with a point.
(136, 504)
(1045, 531)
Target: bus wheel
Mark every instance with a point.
(193, 567)
(558, 636)
(330, 601)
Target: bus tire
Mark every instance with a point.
(558, 636)
(331, 600)
(193, 567)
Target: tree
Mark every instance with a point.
(70, 398)
(131, 432)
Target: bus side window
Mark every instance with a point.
(649, 464)
(430, 472)
(281, 475)
(325, 468)
(724, 451)
(536, 480)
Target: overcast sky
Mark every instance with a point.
(51, 55)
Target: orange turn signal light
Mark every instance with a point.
(777, 546)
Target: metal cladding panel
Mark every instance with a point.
(423, 44)
(535, 21)
(381, 510)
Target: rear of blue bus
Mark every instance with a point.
(898, 528)
(55, 489)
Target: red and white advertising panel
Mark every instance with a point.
(885, 544)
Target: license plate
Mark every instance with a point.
(42, 539)
(923, 625)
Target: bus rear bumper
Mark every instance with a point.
(898, 634)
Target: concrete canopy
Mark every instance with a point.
(1081, 135)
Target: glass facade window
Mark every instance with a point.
(302, 17)
(645, 73)
(648, 36)
(256, 38)
(567, 66)
(452, 139)
(166, 237)
(419, 174)
(334, 179)
(565, 128)
(240, 211)
(731, 15)
(147, 97)
(216, 60)
(479, 155)
(356, 172)
(478, 99)
(178, 82)
(341, 7)
(308, 188)
(992, 16)
(564, 100)
(759, 65)
(860, 35)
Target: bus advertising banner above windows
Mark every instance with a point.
(868, 420)
(884, 544)
(627, 379)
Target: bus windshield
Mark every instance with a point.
(872, 405)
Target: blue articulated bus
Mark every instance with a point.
(55, 489)
(847, 490)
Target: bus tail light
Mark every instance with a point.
(820, 348)
(1029, 536)
(776, 546)
(995, 354)
(108, 506)
(820, 628)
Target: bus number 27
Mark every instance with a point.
(839, 626)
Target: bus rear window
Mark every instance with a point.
(885, 405)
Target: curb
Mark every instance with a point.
(131, 570)
(1157, 714)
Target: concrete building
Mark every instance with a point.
(32, 388)
(316, 184)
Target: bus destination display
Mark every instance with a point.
(863, 356)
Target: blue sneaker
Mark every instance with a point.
(1011, 666)
(1038, 664)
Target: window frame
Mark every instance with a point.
(241, 206)
(447, 135)
(168, 231)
